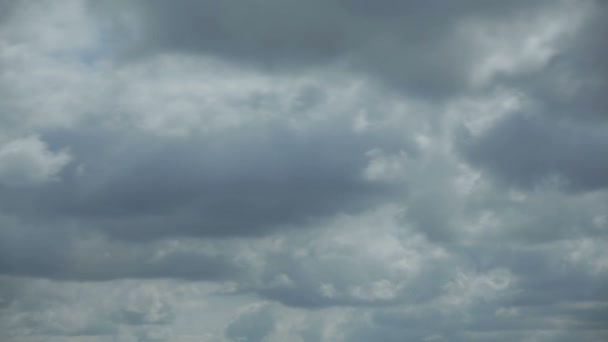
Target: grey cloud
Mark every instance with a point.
(253, 325)
(74, 310)
(56, 252)
(28, 161)
(247, 183)
(553, 218)
(329, 268)
(527, 151)
(502, 319)
(318, 284)
(311, 332)
(145, 307)
(410, 45)
(573, 84)
(6, 8)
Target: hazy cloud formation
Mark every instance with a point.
(269, 170)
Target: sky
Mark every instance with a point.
(307, 171)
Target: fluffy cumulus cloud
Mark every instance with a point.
(308, 171)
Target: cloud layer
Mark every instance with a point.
(303, 171)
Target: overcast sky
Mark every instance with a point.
(303, 170)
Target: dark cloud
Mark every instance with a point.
(68, 254)
(528, 150)
(246, 182)
(418, 47)
(573, 84)
(6, 8)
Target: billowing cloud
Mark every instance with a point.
(303, 171)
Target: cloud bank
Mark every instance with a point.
(303, 171)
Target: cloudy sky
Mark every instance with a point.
(307, 171)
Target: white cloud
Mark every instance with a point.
(28, 161)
